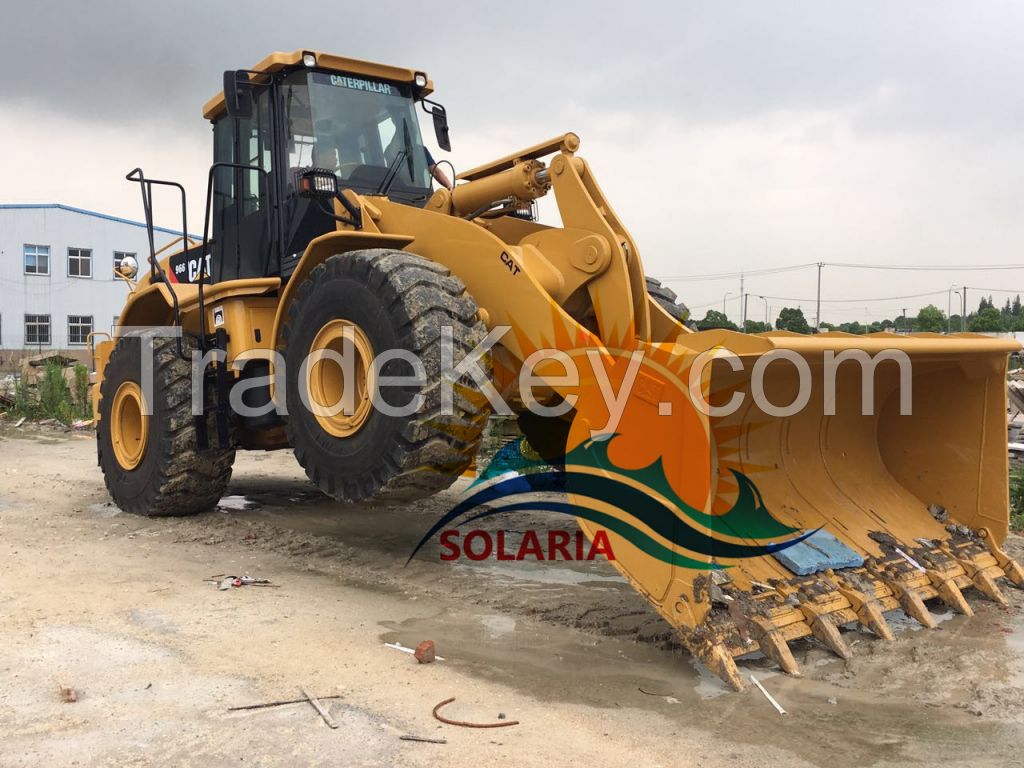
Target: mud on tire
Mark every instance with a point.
(400, 301)
(173, 478)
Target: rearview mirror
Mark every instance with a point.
(238, 94)
(441, 127)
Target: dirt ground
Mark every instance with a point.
(117, 607)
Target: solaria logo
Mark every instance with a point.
(630, 504)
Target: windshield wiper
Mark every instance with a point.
(391, 174)
(395, 164)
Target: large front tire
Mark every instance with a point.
(384, 300)
(152, 464)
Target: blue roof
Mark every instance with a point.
(84, 212)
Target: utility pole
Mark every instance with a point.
(743, 306)
(817, 311)
(727, 295)
(949, 308)
(963, 314)
(905, 319)
(762, 298)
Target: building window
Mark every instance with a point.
(79, 328)
(79, 262)
(37, 329)
(37, 259)
(119, 256)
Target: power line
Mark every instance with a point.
(863, 301)
(841, 264)
(929, 268)
(736, 275)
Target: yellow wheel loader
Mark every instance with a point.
(756, 489)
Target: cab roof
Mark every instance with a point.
(278, 61)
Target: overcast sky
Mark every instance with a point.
(729, 136)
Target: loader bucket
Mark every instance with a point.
(882, 486)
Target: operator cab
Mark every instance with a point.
(288, 117)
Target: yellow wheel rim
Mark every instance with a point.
(129, 426)
(341, 407)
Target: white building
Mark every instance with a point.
(56, 276)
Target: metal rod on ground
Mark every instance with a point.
(279, 703)
(463, 723)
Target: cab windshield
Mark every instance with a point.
(364, 130)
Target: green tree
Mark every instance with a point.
(792, 319)
(853, 327)
(1015, 307)
(930, 319)
(988, 320)
(715, 319)
(756, 326)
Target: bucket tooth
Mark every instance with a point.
(950, 593)
(827, 633)
(869, 612)
(774, 645)
(716, 657)
(871, 616)
(982, 577)
(985, 584)
(914, 606)
(1013, 570)
(909, 600)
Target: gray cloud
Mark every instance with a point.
(729, 135)
(942, 63)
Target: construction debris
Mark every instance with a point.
(465, 724)
(68, 695)
(412, 651)
(424, 739)
(270, 704)
(424, 652)
(224, 582)
(319, 707)
(767, 695)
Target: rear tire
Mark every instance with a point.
(166, 475)
(395, 301)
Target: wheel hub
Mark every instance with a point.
(129, 427)
(339, 385)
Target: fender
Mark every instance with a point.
(321, 249)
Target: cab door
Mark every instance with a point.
(242, 200)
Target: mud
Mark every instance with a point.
(563, 643)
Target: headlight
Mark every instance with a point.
(128, 267)
(420, 80)
(309, 59)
